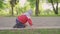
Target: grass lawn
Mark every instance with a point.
(29, 31)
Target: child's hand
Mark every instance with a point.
(25, 24)
(31, 27)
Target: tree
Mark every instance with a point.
(35, 3)
(37, 8)
(54, 2)
(13, 3)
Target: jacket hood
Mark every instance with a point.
(29, 12)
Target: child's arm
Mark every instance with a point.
(30, 21)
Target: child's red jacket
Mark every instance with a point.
(24, 19)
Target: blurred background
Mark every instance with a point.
(40, 7)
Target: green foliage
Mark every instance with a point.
(20, 10)
(1, 4)
(3, 12)
(59, 10)
(48, 12)
(32, 3)
(54, 1)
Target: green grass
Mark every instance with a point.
(29, 31)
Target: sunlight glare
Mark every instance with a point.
(22, 2)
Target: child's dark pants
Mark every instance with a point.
(19, 24)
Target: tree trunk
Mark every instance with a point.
(12, 11)
(56, 8)
(53, 5)
(37, 8)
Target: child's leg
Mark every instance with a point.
(16, 25)
(19, 24)
(17, 21)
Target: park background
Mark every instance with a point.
(39, 7)
(45, 12)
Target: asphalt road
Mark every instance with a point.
(40, 22)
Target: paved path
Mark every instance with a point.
(38, 22)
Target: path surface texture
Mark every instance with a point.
(38, 22)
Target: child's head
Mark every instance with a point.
(30, 11)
